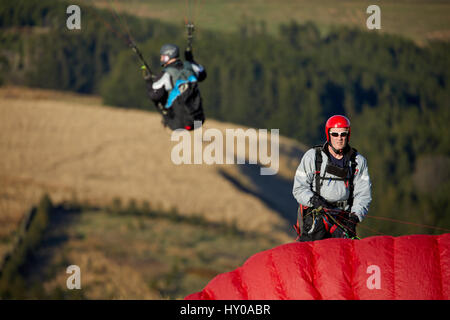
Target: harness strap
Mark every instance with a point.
(318, 162)
(331, 178)
(349, 182)
(330, 222)
(297, 225)
(352, 176)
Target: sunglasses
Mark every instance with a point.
(336, 134)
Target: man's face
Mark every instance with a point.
(164, 59)
(339, 138)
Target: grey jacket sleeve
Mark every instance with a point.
(157, 95)
(165, 82)
(362, 193)
(303, 179)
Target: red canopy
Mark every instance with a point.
(382, 267)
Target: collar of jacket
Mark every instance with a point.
(348, 152)
(176, 64)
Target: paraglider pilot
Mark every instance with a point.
(332, 186)
(175, 91)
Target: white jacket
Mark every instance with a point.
(333, 190)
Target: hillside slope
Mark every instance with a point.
(418, 20)
(72, 147)
(125, 254)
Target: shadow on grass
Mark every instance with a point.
(273, 190)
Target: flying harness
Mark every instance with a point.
(181, 78)
(331, 221)
(184, 102)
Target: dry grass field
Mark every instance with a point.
(128, 256)
(72, 147)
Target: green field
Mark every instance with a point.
(421, 20)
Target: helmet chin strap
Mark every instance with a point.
(335, 150)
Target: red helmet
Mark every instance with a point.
(337, 122)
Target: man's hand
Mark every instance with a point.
(188, 55)
(353, 220)
(317, 201)
(146, 74)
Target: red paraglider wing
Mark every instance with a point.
(382, 267)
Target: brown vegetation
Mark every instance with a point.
(71, 147)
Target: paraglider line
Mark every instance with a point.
(390, 219)
(99, 18)
(410, 223)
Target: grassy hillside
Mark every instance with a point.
(420, 20)
(180, 225)
(71, 147)
(209, 218)
(126, 252)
